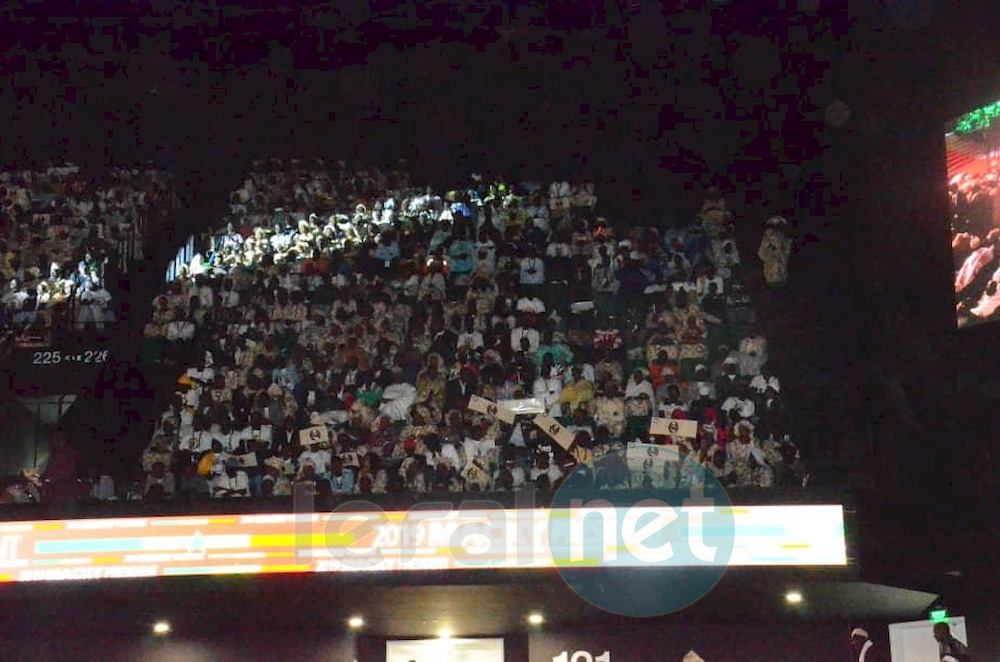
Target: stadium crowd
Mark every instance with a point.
(975, 237)
(60, 229)
(349, 332)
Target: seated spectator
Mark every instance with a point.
(159, 477)
(369, 338)
(66, 228)
(231, 482)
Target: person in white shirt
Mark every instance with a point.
(197, 440)
(206, 373)
(548, 389)
(206, 295)
(752, 355)
(470, 337)
(229, 297)
(94, 302)
(449, 453)
(275, 484)
(559, 195)
(478, 445)
(486, 258)
(233, 483)
(225, 436)
(180, 329)
(15, 296)
(760, 384)
(744, 407)
(318, 457)
(545, 467)
(639, 386)
(398, 397)
(260, 431)
(532, 270)
(433, 283)
(523, 339)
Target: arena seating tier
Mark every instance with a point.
(348, 331)
(63, 232)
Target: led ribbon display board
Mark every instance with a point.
(801, 535)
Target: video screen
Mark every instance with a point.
(972, 144)
(79, 549)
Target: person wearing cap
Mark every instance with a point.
(729, 382)
(864, 649)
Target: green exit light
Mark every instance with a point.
(939, 616)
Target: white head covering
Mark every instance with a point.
(858, 632)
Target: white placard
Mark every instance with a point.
(650, 460)
(554, 429)
(524, 406)
(246, 460)
(318, 434)
(491, 409)
(673, 427)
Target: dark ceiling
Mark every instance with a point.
(471, 604)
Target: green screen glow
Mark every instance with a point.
(939, 615)
(979, 119)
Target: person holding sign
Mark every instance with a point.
(232, 483)
(674, 427)
(554, 430)
(476, 474)
(491, 409)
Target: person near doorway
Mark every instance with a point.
(863, 649)
(950, 649)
